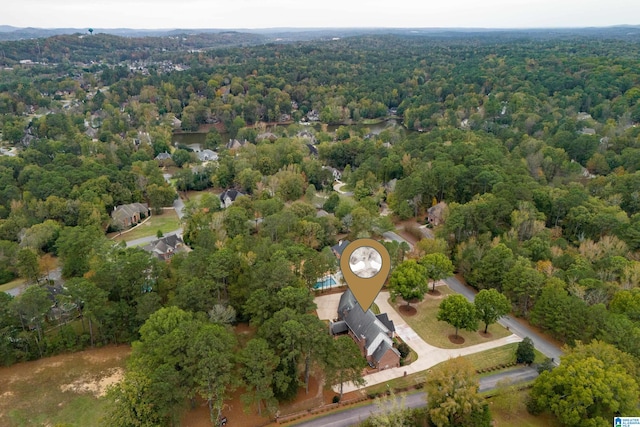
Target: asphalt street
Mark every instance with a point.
(542, 344)
(355, 416)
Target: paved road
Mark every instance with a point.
(17, 290)
(395, 236)
(541, 343)
(55, 275)
(338, 187)
(178, 205)
(357, 415)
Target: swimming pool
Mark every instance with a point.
(327, 282)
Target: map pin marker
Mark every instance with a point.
(365, 265)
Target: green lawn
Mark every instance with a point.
(481, 360)
(166, 222)
(499, 356)
(436, 333)
(375, 309)
(493, 357)
(12, 284)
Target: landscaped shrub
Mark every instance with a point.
(404, 350)
(525, 352)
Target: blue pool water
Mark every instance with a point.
(325, 283)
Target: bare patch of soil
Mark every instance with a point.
(97, 385)
(36, 391)
(456, 339)
(408, 310)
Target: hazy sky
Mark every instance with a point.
(317, 13)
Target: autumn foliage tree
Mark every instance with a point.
(453, 399)
(593, 384)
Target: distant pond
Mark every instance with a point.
(190, 138)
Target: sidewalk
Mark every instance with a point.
(428, 355)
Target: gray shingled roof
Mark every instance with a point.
(166, 245)
(366, 325)
(339, 327)
(127, 211)
(339, 248)
(231, 194)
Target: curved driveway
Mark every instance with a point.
(428, 355)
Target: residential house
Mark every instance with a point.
(313, 150)
(305, 134)
(587, 131)
(313, 116)
(436, 213)
(337, 175)
(267, 135)
(339, 248)
(163, 156)
(125, 216)
(373, 334)
(207, 155)
(62, 310)
(234, 144)
(176, 123)
(228, 197)
(165, 247)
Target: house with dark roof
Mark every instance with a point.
(228, 197)
(373, 334)
(125, 216)
(339, 248)
(313, 150)
(165, 247)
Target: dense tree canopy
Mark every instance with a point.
(530, 139)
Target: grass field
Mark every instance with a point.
(512, 412)
(482, 360)
(436, 333)
(498, 356)
(166, 222)
(60, 390)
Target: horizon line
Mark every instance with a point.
(319, 28)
